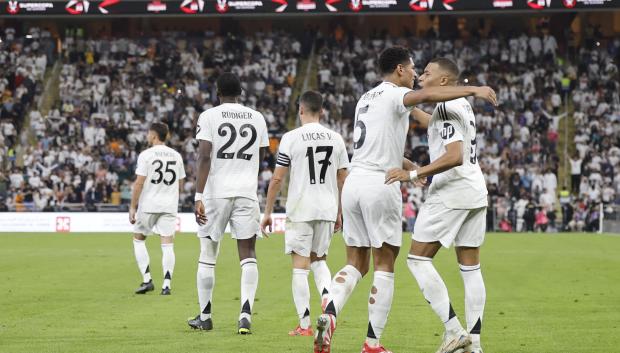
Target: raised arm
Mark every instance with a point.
(447, 93)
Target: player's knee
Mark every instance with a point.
(208, 251)
(140, 237)
(167, 239)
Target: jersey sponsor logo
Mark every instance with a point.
(63, 224)
(196, 6)
(77, 7)
(447, 131)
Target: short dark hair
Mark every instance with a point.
(390, 58)
(161, 130)
(312, 100)
(448, 65)
(228, 85)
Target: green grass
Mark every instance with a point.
(74, 293)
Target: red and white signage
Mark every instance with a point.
(77, 7)
(156, 6)
(95, 222)
(538, 4)
(63, 224)
(195, 6)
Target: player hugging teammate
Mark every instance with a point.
(325, 191)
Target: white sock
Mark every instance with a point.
(475, 298)
(167, 261)
(379, 304)
(322, 277)
(205, 278)
(434, 290)
(249, 283)
(301, 296)
(142, 258)
(341, 288)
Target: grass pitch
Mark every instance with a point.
(74, 293)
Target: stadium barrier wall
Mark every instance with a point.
(93, 222)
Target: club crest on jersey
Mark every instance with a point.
(355, 5)
(447, 131)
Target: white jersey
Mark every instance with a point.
(461, 187)
(163, 168)
(314, 154)
(381, 125)
(236, 133)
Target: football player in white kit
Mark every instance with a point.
(454, 211)
(371, 209)
(155, 203)
(232, 142)
(318, 162)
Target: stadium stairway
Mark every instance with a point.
(44, 103)
(308, 81)
(566, 146)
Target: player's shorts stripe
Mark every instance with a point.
(419, 258)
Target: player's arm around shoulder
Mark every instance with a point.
(446, 93)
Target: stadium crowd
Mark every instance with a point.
(111, 89)
(517, 143)
(24, 58)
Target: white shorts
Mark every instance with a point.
(436, 222)
(302, 238)
(163, 224)
(371, 211)
(242, 213)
